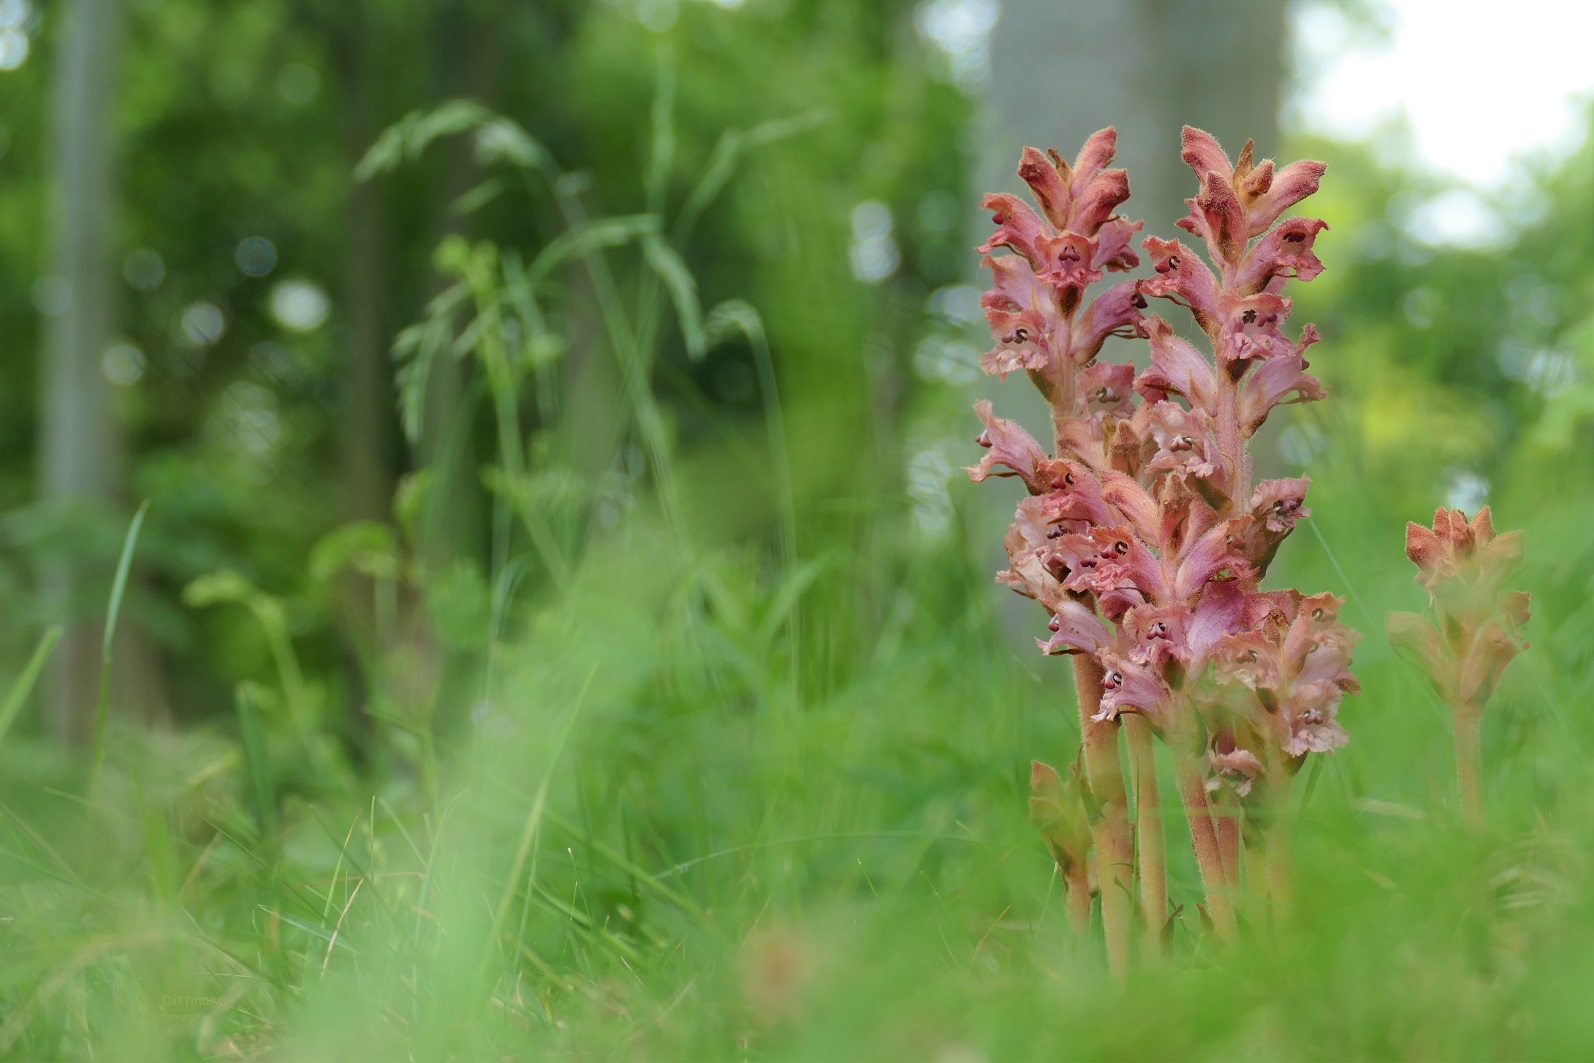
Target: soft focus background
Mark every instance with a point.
(561, 626)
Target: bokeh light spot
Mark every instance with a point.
(256, 256)
(874, 252)
(299, 305)
(298, 84)
(144, 269)
(202, 324)
(123, 364)
(13, 48)
(52, 295)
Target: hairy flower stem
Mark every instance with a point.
(1228, 842)
(1204, 839)
(1150, 849)
(1111, 834)
(1267, 862)
(1468, 722)
(1078, 885)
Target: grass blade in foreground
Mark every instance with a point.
(118, 588)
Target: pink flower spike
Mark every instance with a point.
(1017, 227)
(1065, 261)
(1009, 445)
(1078, 630)
(1280, 379)
(1202, 153)
(1020, 343)
(1284, 252)
(1181, 276)
(1238, 769)
(1130, 687)
(1288, 187)
(1115, 312)
(1095, 202)
(1049, 187)
(1113, 251)
(1176, 368)
(1093, 157)
(1218, 218)
(1210, 555)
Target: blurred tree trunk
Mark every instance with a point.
(368, 432)
(79, 441)
(471, 49)
(1062, 69)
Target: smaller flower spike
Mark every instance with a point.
(1475, 629)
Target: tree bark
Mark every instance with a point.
(79, 439)
(368, 432)
(1062, 69)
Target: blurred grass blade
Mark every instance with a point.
(25, 682)
(667, 263)
(722, 163)
(532, 827)
(321, 933)
(118, 589)
(583, 238)
(256, 763)
(157, 844)
(663, 147)
(739, 316)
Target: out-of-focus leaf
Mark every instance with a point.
(366, 546)
(586, 238)
(459, 604)
(682, 287)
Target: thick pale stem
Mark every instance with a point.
(1230, 441)
(1259, 878)
(1267, 856)
(1115, 855)
(1279, 867)
(1228, 821)
(1150, 848)
(1469, 764)
(1077, 883)
(1204, 839)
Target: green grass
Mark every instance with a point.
(660, 841)
(744, 775)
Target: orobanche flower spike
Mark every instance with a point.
(1143, 534)
(1474, 630)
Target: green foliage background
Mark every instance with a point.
(711, 739)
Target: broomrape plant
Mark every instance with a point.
(1145, 535)
(1475, 629)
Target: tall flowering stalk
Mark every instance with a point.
(1474, 630)
(1143, 534)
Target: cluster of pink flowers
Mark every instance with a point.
(1143, 534)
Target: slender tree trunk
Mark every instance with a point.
(469, 60)
(79, 441)
(369, 428)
